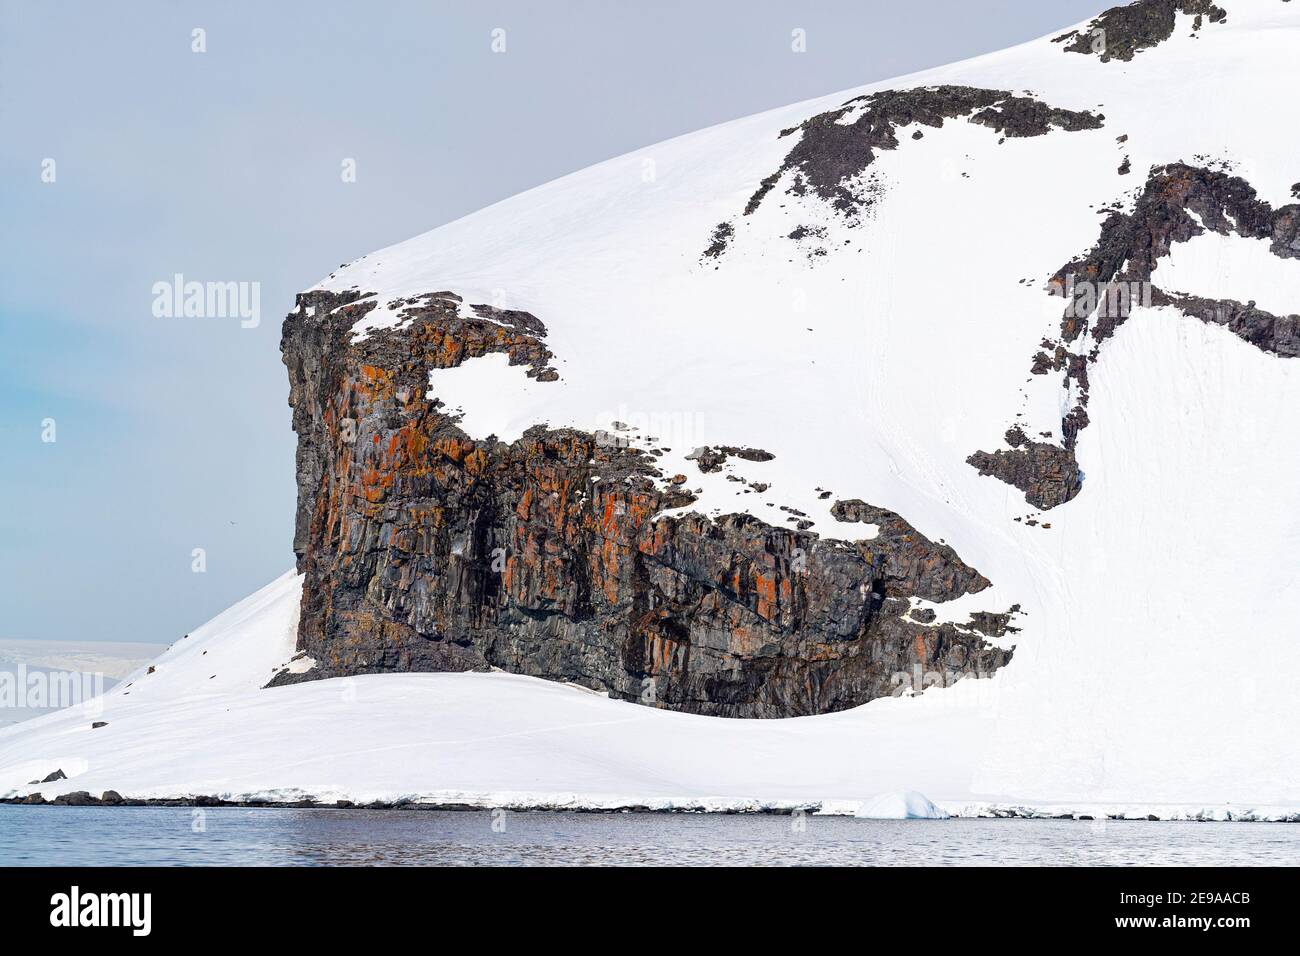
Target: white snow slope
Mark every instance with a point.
(1160, 607)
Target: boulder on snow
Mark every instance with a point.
(900, 805)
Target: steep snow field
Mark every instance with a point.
(1160, 606)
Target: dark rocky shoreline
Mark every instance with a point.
(81, 798)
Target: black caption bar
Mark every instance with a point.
(306, 905)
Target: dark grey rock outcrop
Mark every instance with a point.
(833, 149)
(1119, 273)
(1122, 32)
(1048, 474)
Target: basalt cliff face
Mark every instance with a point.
(427, 550)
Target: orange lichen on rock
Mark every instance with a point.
(375, 384)
(426, 549)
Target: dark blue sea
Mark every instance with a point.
(85, 836)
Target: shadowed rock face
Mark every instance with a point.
(1122, 32)
(426, 549)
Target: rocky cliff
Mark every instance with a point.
(575, 555)
(427, 549)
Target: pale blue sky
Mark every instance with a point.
(174, 434)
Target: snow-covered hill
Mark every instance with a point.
(871, 323)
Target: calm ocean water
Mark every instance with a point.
(75, 836)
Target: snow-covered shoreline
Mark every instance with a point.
(198, 726)
(593, 803)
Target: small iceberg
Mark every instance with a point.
(900, 805)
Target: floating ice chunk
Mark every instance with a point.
(900, 805)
